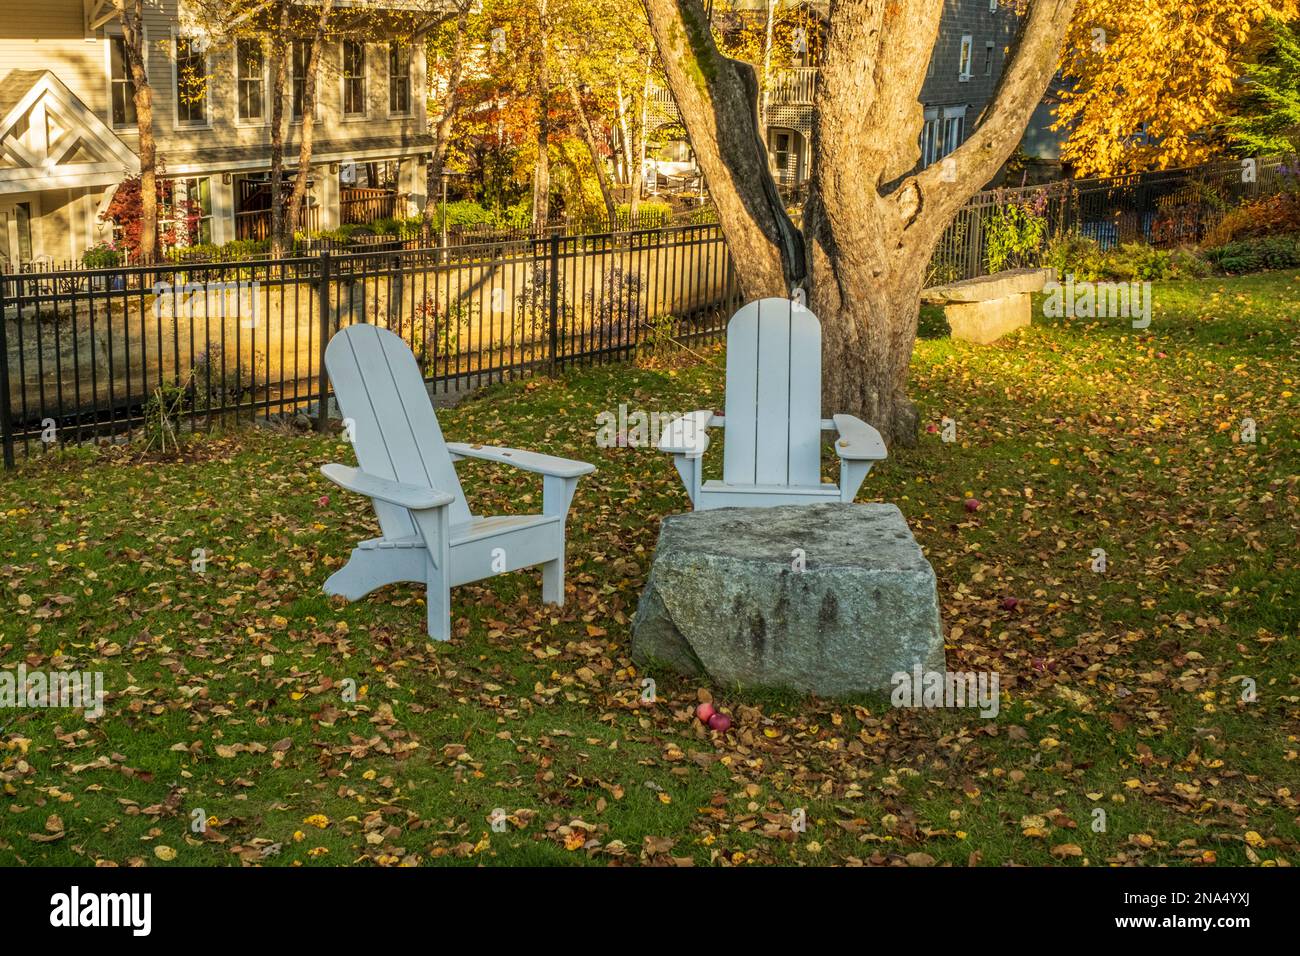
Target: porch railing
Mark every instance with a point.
(358, 205)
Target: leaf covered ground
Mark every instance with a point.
(229, 690)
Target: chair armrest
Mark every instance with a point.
(523, 460)
(414, 497)
(858, 441)
(688, 435)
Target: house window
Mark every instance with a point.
(993, 6)
(250, 79)
(191, 82)
(988, 58)
(953, 129)
(188, 215)
(930, 138)
(967, 54)
(399, 79)
(301, 57)
(782, 154)
(354, 78)
(121, 86)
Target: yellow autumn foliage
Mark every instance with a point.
(1146, 79)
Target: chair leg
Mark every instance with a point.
(553, 582)
(437, 600)
(369, 570)
(437, 542)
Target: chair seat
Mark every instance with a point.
(794, 491)
(476, 529)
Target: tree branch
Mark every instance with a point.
(945, 187)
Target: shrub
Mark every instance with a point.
(650, 215)
(237, 250)
(1278, 214)
(615, 305)
(1014, 232)
(102, 256)
(1072, 254)
(1083, 258)
(1252, 255)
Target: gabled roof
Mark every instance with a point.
(49, 139)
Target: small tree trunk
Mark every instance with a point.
(279, 79)
(638, 174)
(309, 88)
(766, 80)
(541, 88)
(625, 137)
(131, 13)
(589, 137)
(450, 109)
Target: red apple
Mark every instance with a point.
(720, 723)
(972, 504)
(1009, 603)
(323, 500)
(705, 711)
(932, 428)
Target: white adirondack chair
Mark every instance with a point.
(773, 422)
(429, 533)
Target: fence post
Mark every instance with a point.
(6, 412)
(553, 294)
(323, 295)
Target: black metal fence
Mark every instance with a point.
(103, 352)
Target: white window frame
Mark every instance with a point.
(175, 181)
(320, 87)
(993, 6)
(177, 36)
(110, 35)
(989, 48)
(952, 115)
(965, 58)
(410, 78)
(930, 138)
(345, 116)
(264, 120)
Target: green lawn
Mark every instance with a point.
(1122, 690)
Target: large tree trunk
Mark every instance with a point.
(597, 161)
(310, 86)
(872, 221)
(132, 16)
(450, 109)
(279, 79)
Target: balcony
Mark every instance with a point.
(793, 87)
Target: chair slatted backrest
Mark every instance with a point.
(395, 431)
(774, 383)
